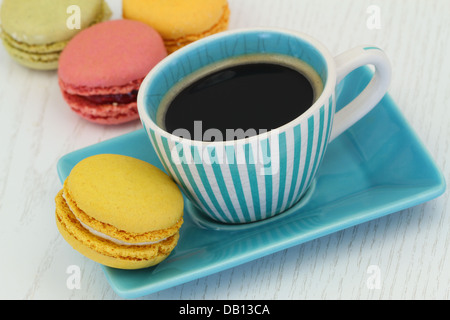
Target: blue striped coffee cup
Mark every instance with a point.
(255, 178)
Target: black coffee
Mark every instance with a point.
(239, 101)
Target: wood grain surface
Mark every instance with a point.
(407, 251)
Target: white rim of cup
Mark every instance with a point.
(326, 93)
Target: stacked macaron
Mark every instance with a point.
(120, 211)
(100, 63)
(116, 210)
(35, 32)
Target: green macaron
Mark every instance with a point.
(35, 32)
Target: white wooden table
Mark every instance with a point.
(409, 249)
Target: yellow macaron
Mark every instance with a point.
(120, 211)
(180, 22)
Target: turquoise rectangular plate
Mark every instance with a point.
(375, 168)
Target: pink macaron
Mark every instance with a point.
(101, 69)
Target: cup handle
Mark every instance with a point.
(371, 95)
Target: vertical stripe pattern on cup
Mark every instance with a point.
(250, 181)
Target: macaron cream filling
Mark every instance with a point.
(117, 241)
(123, 98)
(102, 96)
(103, 235)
